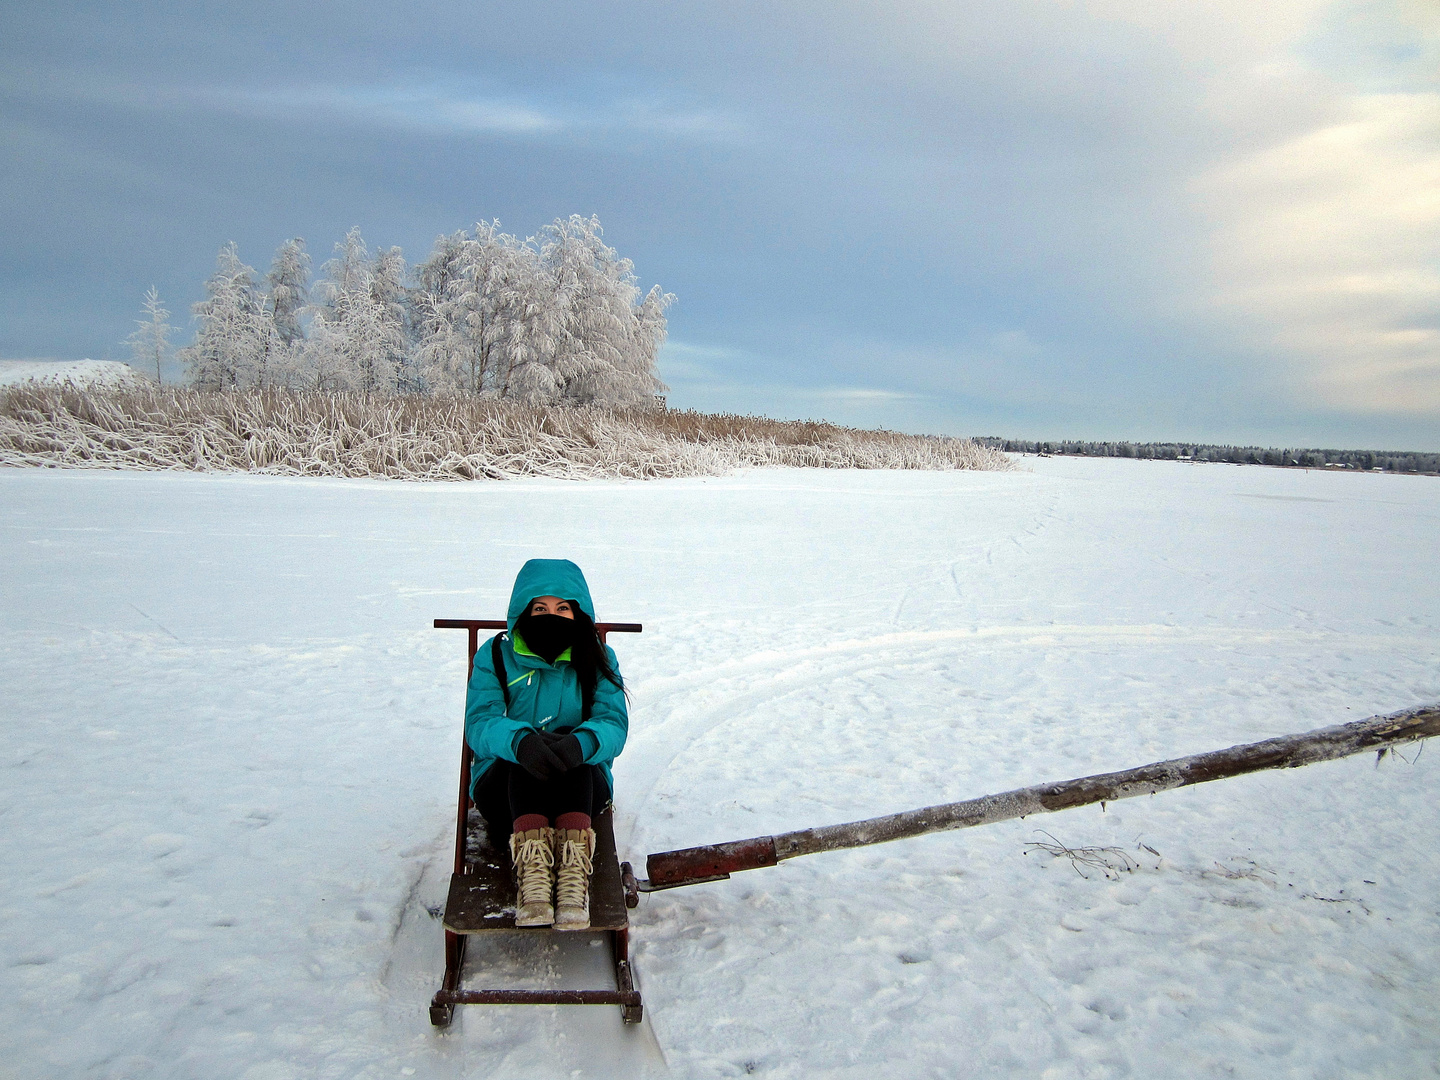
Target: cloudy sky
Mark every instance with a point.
(1213, 219)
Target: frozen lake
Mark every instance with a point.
(231, 739)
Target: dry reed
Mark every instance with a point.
(429, 438)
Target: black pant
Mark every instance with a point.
(507, 792)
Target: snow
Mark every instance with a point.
(76, 372)
(231, 740)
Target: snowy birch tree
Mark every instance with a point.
(358, 337)
(150, 343)
(482, 300)
(538, 327)
(388, 294)
(438, 347)
(234, 331)
(605, 356)
(325, 358)
(485, 307)
(287, 292)
(288, 289)
(650, 332)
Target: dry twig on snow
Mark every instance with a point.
(1110, 861)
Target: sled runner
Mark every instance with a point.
(482, 890)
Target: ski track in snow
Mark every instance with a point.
(231, 743)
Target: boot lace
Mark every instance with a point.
(572, 887)
(534, 860)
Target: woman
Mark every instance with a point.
(545, 716)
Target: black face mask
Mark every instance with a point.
(546, 635)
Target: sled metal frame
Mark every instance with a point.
(471, 878)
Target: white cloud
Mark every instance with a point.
(421, 106)
(688, 362)
(456, 109)
(388, 106)
(420, 102)
(1307, 132)
(1328, 244)
(719, 377)
(863, 395)
(401, 106)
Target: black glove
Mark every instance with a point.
(567, 748)
(536, 757)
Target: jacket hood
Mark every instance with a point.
(548, 577)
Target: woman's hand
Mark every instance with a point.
(568, 749)
(537, 758)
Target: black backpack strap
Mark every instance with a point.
(587, 701)
(497, 661)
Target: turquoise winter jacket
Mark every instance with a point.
(543, 696)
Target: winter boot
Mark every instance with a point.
(533, 853)
(575, 850)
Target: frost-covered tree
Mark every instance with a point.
(357, 339)
(233, 332)
(650, 332)
(560, 319)
(389, 295)
(605, 354)
(482, 300)
(325, 362)
(487, 302)
(150, 343)
(533, 344)
(287, 292)
(347, 274)
(288, 289)
(437, 336)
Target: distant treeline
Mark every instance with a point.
(1400, 461)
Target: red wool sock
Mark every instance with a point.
(526, 822)
(573, 821)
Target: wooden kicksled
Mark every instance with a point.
(482, 891)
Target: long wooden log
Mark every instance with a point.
(713, 862)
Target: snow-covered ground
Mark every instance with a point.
(230, 743)
(74, 372)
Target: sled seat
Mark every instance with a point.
(483, 898)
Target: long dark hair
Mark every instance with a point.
(587, 656)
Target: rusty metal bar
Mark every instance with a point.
(462, 815)
(470, 624)
(630, 884)
(442, 1009)
(714, 862)
(711, 862)
(538, 997)
(631, 1013)
(475, 625)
